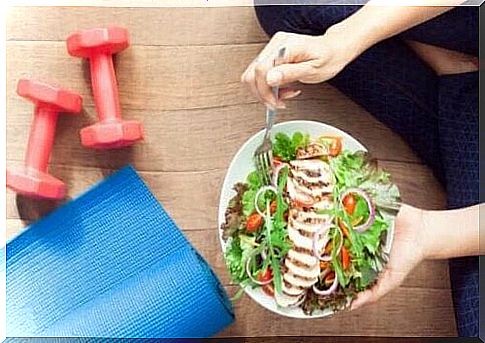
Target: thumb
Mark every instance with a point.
(287, 73)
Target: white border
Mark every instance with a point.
(231, 3)
(3, 158)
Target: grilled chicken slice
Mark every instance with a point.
(298, 281)
(303, 271)
(291, 290)
(313, 168)
(311, 177)
(302, 258)
(312, 150)
(285, 300)
(309, 217)
(308, 186)
(305, 242)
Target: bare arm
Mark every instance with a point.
(452, 233)
(379, 20)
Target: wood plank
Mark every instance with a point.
(197, 139)
(147, 26)
(405, 312)
(192, 197)
(151, 78)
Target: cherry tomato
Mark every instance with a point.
(265, 276)
(349, 203)
(254, 222)
(335, 144)
(345, 258)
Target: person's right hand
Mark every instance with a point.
(307, 59)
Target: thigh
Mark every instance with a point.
(459, 144)
(459, 137)
(455, 30)
(304, 19)
(392, 83)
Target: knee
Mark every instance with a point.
(271, 18)
(304, 19)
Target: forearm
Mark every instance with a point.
(452, 233)
(376, 22)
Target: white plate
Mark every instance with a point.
(242, 164)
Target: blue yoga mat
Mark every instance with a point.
(111, 264)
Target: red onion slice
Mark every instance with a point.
(300, 301)
(316, 236)
(258, 194)
(368, 200)
(251, 277)
(329, 291)
(276, 173)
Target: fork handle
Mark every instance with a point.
(271, 113)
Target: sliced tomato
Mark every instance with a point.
(266, 276)
(345, 258)
(349, 203)
(344, 229)
(268, 289)
(329, 279)
(277, 161)
(253, 222)
(324, 265)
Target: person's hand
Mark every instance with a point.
(408, 250)
(307, 59)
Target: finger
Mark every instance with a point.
(288, 93)
(249, 79)
(286, 73)
(384, 285)
(262, 86)
(363, 298)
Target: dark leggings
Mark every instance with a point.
(437, 116)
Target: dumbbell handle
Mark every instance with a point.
(41, 138)
(105, 87)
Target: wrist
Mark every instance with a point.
(358, 36)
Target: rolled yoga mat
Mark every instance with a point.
(111, 264)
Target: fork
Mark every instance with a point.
(263, 156)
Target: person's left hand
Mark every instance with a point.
(407, 252)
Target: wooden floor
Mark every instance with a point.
(180, 77)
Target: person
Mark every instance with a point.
(414, 69)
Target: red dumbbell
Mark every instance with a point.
(98, 45)
(32, 179)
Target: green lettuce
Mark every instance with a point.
(285, 147)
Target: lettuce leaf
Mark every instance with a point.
(285, 147)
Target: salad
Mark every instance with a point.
(316, 236)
